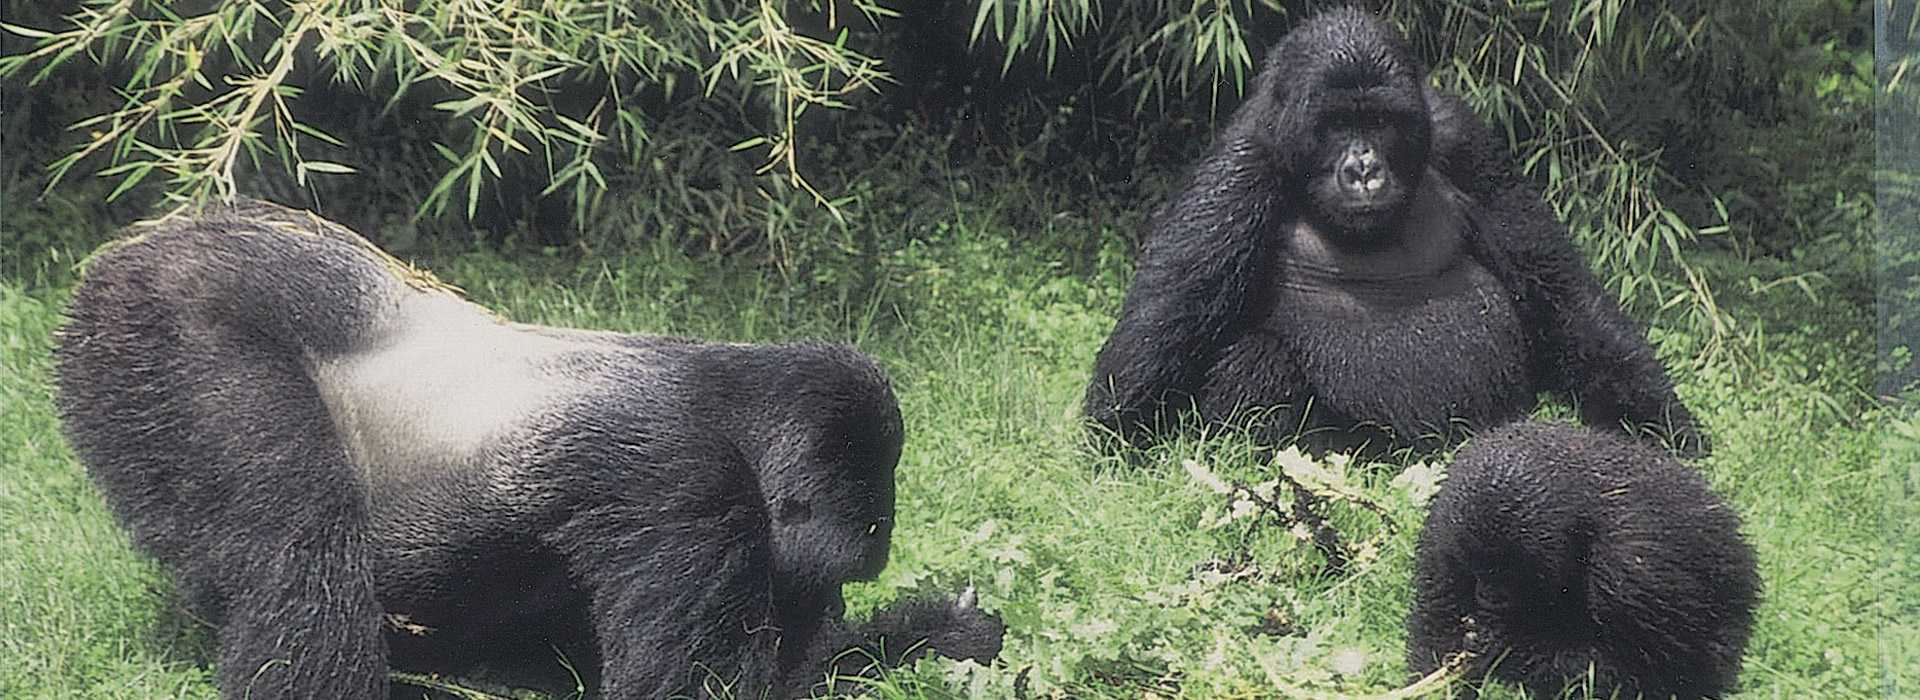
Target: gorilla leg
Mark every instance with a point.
(1256, 372)
(294, 569)
(264, 528)
(216, 451)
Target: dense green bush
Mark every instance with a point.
(1648, 124)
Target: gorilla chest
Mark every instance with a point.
(1415, 335)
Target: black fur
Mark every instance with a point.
(315, 441)
(1444, 299)
(1552, 552)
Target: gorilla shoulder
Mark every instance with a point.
(438, 384)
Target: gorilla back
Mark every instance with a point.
(1560, 556)
(316, 439)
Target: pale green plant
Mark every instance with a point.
(208, 90)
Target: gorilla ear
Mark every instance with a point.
(1274, 115)
(1449, 121)
(856, 437)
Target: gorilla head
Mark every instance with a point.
(830, 526)
(1353, 127)
(1559, 556)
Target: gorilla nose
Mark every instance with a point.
(1360, 170)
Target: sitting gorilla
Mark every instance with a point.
(1554, 552)
(1323, 267)
(316, 440)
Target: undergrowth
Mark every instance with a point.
(1115, 580)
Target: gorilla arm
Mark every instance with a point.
(1194, 275)
(899, 634)
(672, 552)
(675, 553)
(1588, 350)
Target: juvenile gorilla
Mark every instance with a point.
(1357, 261)
(317, 440)
(1552, 550)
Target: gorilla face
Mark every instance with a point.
(1353, 127)
(833, 522)
(1365, 169)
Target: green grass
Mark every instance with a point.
(1109, 582)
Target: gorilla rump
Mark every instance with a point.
(1356, 260)
(316, 440)
(1553, 552)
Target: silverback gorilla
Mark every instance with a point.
(318, 441)
(1357, 261)
(1556, 554)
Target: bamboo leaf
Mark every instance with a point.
(24, 31)
(320, 166)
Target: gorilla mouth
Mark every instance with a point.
(1368, 203)
(1366, 216)
(1374, 186)
(1342, 201)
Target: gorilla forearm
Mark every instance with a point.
(1191, 284)
(899, 634)
(1589, 350)
(1612, 374)
(659, 636)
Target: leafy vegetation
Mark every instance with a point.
(569, 98)
(212, 89)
